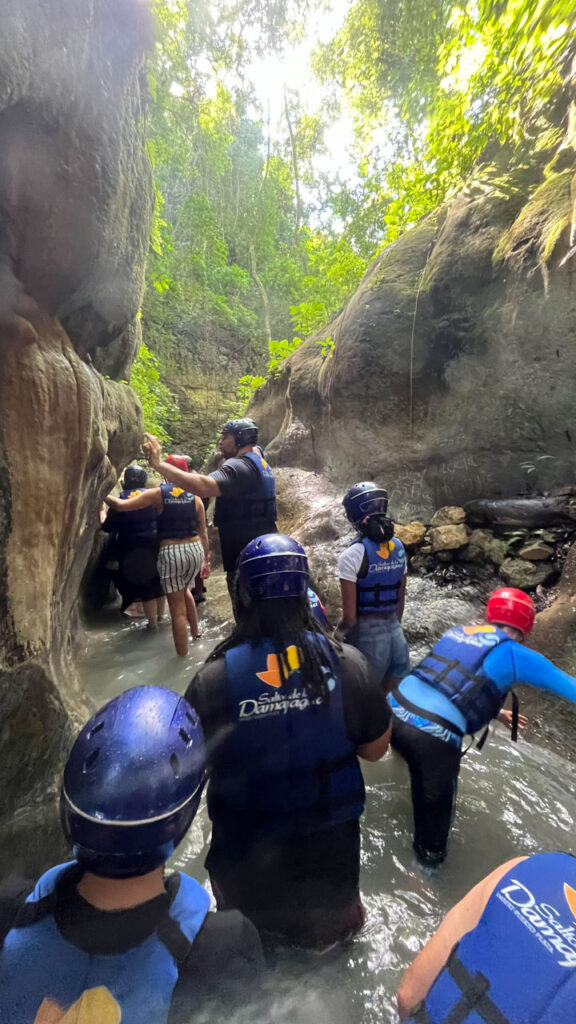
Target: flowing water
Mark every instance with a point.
(513, 799)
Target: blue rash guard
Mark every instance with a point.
(508, 664)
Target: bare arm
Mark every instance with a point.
(202, 531)
(195, 483)
(423, 971)
(348, 617)
(401, 598)
(377, 748)
(143, 500)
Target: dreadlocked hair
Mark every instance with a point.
(287, 621)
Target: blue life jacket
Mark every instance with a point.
(518, 966)
(37, 963)
(259, 504)
(141, 522)
(288, 766)
(380, 577)
(179, 518)
(454, 667)
(317, 608)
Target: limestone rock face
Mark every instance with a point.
(525, 575)
(448, 538)
(448, 516)
(454, 366)
(411, 535)
(75, 208)
(536, 552)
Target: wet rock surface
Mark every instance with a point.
(75, 208)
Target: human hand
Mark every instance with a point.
(152, 450)
(205, 571)
(506, 718)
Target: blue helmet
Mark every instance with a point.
(273, 566)
(317, 608)
(133, 782)
(134, 476)
(364, 500)
(243, 431)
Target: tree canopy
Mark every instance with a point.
(259, 237)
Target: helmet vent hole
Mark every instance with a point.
(91, 759)
(175, 765)
(97, 727)
(184, 735)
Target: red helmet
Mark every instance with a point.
(178, 461)
(511, 607)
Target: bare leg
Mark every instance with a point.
(151, 613)
(160, 607)
(177, 606)
(191, 614)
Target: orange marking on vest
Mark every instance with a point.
(478, 629)
(176, 491)
(385, 549)
(272, 675)
(570, 895)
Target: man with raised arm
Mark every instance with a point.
(243, 487)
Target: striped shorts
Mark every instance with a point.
(179, 564)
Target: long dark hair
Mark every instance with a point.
(283, 621)
(379, 528)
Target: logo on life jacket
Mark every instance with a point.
(95, 1006)
(134, 494)
(544, 920)
(385, 549)
(570, 895)
(176, 492)
(470, 630)
(272, 676)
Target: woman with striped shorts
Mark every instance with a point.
(184, 550)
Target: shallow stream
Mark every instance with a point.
(513, 799)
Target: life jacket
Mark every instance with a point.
(380, 577)
(179, 518)
(259, 504)
(288, 766)
(141, 522)
(518, 966)
(317, 608)
(136, 987)
(454, 667)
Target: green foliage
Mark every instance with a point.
(157, 402)
(327, 346)
(247, 388)
(440, 84)
(279, 352)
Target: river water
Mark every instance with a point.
(513, 799)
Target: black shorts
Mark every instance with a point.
(138, 568)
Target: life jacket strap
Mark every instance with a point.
(377, 589)
(429, 715)
(475, 998)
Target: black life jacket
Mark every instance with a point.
(259, 504)
(179, 518)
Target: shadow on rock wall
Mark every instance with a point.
(75, 209)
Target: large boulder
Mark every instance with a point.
(453, 369)
(75, 209)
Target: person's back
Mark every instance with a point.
(107, 932)
(287, 716)
(505, 954)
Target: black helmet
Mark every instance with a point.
(243, 431)
(134, 476)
